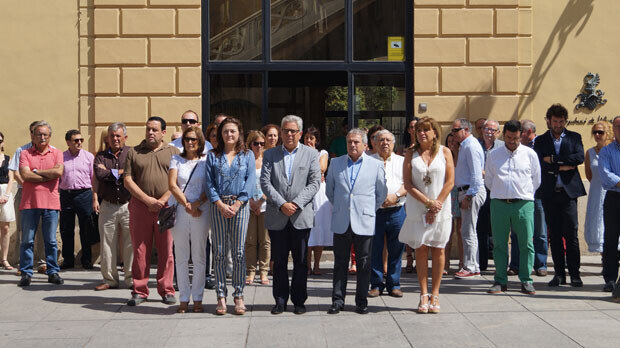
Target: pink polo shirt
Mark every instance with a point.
(78, 172)
(40, 195)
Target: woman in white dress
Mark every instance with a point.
(428, 175)
(7, 212)
(321, 234)
(594, 228)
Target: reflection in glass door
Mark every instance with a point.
(237, 95)
(318, 97)
(380, 99)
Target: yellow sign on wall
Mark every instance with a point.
(396, 48)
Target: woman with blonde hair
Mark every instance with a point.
(428, 176)
(257, 242)
(594, 227)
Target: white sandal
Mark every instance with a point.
(423, 308)
(434, 308)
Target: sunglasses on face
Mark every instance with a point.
(598, 132)
(290, 131)
(188, 139)
(188, 120)
(78, 141)
(258, 143)
(456, 130)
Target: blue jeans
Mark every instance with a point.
(540, 241)
(30, 222)
(387, 224)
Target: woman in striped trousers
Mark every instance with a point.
(230, 177)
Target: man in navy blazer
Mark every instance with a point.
(560, 152)
(356, 188)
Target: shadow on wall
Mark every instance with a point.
(575, 12)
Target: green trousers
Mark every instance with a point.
(517, 216)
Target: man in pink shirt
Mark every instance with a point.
(40, 167)
(76, 198)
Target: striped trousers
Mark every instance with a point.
(229, 233)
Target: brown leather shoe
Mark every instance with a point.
(374, 293)
(104, 286)
(396, 293)
(541, 272)
(42, 269)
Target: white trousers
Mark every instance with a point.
(190, 237)
(469, 218)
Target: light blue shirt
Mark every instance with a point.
(609, 166)
(353, 169)
(289, 159)
(237, 179)
(557, 143)
(469, 166)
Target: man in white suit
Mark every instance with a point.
(355, 186)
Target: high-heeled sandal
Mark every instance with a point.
(250, 278)
(264, 280)
(239, 308)
(220, 309)
(423, 307)
(182, 307)
(4, 264)
(198, 307)
(434, 305)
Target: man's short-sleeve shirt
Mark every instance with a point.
(40, 195)
(149, 169)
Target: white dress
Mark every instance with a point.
(414, 231)
(321, 234)
(594, 227)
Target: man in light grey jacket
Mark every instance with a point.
(290, 178)
(356, 188)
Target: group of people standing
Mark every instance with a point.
(251, 203)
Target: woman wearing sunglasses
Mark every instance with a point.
(186, 180)
(593, 229)
(257, 242)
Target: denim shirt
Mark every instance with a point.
(238, 179)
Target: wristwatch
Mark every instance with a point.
(398, 195)
(34, 170)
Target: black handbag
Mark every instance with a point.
(167, 215)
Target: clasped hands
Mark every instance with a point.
(434, 207)
(228, 211)
(192, 208)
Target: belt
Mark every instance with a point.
(463, 188)
(390, 209)
(227, 199)
(77, 191)
(559, 189)
(510, 200)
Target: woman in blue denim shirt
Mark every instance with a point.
(231, 178)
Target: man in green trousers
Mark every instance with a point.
(512, 174)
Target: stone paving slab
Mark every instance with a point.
(73, 315)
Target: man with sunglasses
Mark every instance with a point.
(189, 118)
(472, 194)
(76, 198)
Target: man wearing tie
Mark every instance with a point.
(290, 178)
(356, 187)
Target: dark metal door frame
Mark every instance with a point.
(266, 65)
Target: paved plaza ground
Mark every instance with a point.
(73, 315)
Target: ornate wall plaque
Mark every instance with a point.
(590, 97)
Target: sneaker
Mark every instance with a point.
(135, 300)
(541, 272)
(169, 299)
(528, 288)
(497, 288)
(465, 273)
